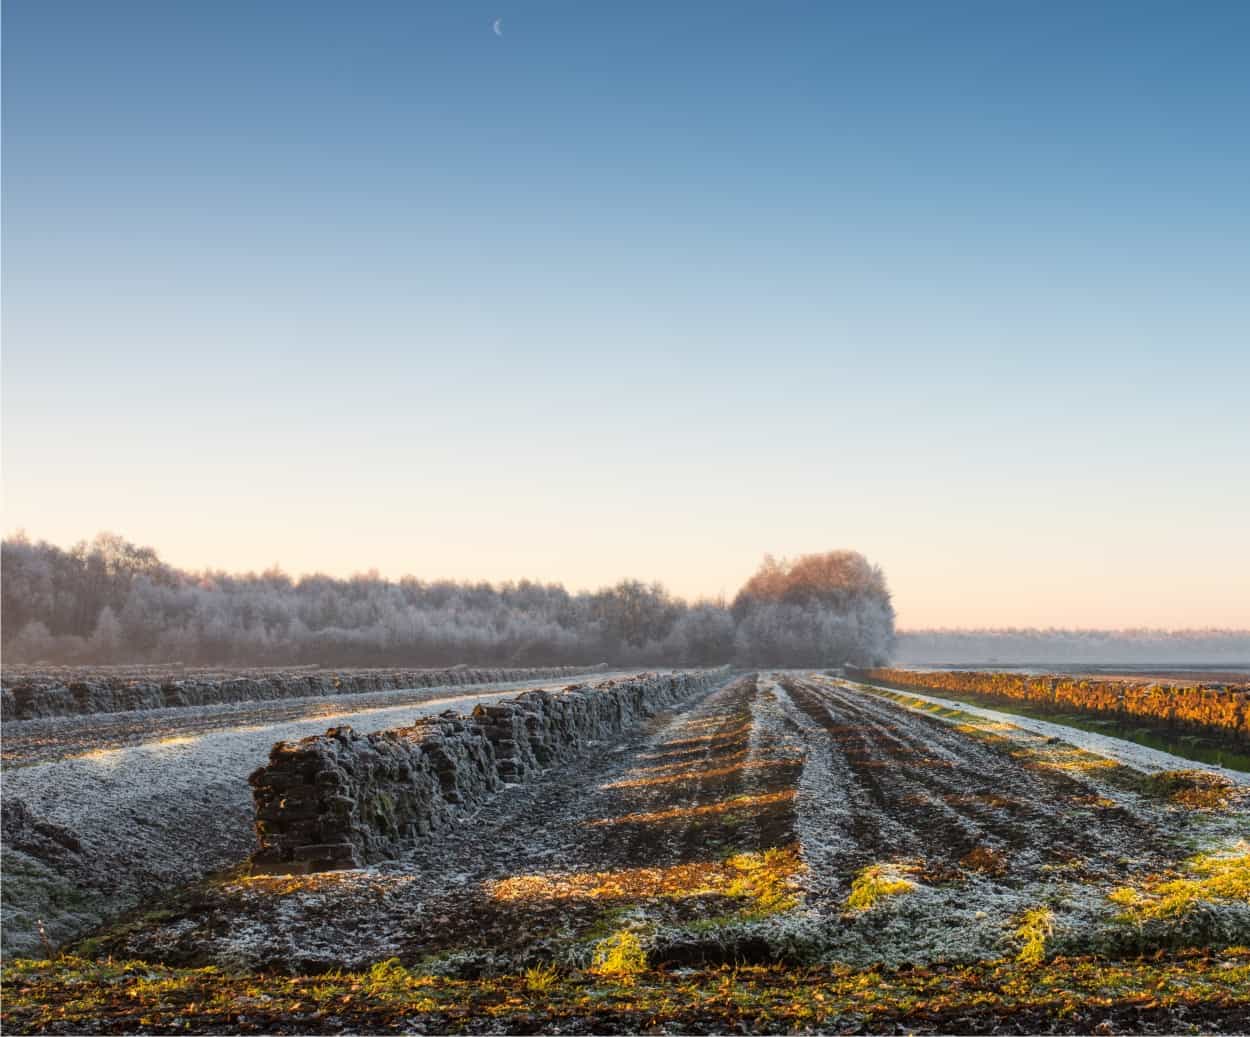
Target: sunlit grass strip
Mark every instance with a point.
(970, 724)
(362, 882)
(1066, 759)
(1059, 758)
(74, 995)
(981, 799)
(705, 748)
(1209, 878)
(674, 768)
(715, 722)
(698, 741)
(679, 813)
(766, 878)
(1218, 708)
(761, 877)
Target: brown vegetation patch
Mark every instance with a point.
(1199, 790)
(1094, 801)
(985, 860)
(1189, 991)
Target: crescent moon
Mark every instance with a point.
(497, 26)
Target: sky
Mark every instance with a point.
(642, 290)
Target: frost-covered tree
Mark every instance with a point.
(634, 613)
(819, 610)
(107, 599)
(702, 636)
(160, 614)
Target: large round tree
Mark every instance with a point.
(828, 609)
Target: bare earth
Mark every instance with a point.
(157, 798)
(734, 831)
(768, 857)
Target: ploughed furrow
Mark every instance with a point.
(912, 786)
(687, 824)
(764, 820)
(718, 783)
(683, 833)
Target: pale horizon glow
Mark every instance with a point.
(642, 292)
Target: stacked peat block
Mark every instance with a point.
(32, 698)
(343, 800)
(514, 731)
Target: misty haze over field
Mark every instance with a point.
(1056, 647)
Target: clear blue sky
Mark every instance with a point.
(642, 289)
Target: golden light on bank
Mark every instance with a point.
(677, 813)
(660, 770)
(766, 877)
(704, 774)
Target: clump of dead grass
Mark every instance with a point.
(1199, 790)
(620, 957)
(1208, 878)
(877, 881)
(540, 979)
(766, 878)
(1034, 927)
(985, 860)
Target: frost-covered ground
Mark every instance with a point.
(788, 817)
(981, 820)
(145, 802)
(56, 738)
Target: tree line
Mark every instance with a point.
(111, 601)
